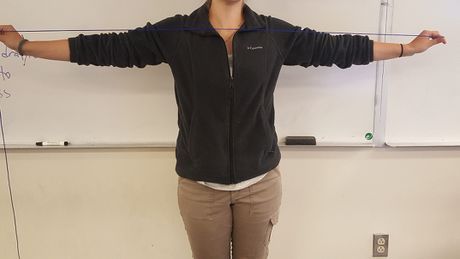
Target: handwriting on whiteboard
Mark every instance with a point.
(8, 53)
(5, 73)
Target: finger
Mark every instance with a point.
(4, 29)
(440, 39)
(437, 38)
(432, 37)
(425, 34)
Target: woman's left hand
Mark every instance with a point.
(424, 41)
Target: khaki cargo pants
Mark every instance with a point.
(235, 224)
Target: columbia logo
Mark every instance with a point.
(254, 48)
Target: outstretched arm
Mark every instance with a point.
(142, 46)
(54, 50)
(424, 41)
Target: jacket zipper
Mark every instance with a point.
(231, 167)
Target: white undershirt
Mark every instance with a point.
(233, 187)
(230, 64)
(240, 185)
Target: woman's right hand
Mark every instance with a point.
(55, 49)
(9, 36)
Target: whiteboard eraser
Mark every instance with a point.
(300, 140)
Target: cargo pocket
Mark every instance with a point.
(272, 222)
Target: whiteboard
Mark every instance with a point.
(424, 90)
(51, 100)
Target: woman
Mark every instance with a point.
(227, 154)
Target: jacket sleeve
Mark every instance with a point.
(309, 47)
(149, 45)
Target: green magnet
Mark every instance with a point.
(369, 136)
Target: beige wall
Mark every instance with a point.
(97, 204)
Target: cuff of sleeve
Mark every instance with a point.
(73, 49)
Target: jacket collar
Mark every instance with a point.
(199, 21)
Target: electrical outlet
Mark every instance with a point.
(380, 247)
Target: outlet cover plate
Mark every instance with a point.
(380, 245)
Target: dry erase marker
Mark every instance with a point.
(50, 143)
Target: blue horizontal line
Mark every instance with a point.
(216, 29)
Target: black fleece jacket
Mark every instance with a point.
(226, 124)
